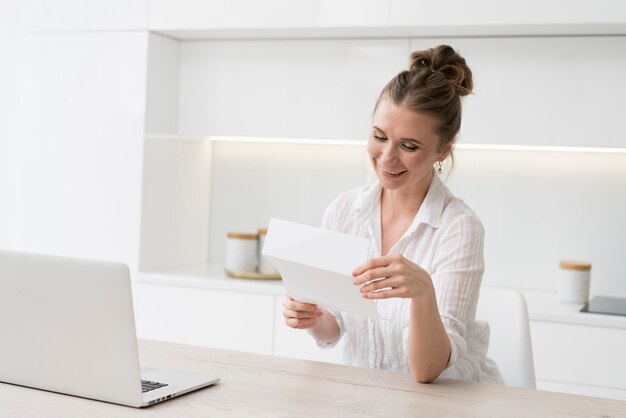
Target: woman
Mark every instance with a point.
(426, 246)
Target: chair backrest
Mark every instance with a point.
(509, 344)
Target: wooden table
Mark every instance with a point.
(255, 385)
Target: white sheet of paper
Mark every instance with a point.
(316, 265)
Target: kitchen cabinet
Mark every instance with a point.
(542, 90)
(212, 318)
(321, 89)
(582, 359)
(92, 15)
(81, 145)
(207, 18)
(509, 17)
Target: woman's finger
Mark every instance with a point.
(385, 294)
(373, 274)
(300, 324)
(390, 282)
(372, 263)
(287, 313)
(294, 305)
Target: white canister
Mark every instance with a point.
(241, 252)
(265, 267)
(573, 283)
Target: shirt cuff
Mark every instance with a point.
(342, 330)
(458, 348)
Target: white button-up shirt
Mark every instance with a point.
(446, 240)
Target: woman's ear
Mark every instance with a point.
(446, 151)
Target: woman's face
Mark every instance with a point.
(403, 147)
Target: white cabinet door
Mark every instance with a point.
(212, 318)
(285, 88)
(83, 119)
(564, 91)
(574, 357)
(10, 40)
(297, 343)
(73, 15)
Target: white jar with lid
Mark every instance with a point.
(265, 267)
(574, 281)
(241, 252)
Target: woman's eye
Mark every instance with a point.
(409, 146)
(380, 138)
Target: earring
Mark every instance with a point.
(439, 169)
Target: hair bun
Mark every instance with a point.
(445, 60)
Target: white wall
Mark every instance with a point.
(10, 50)
(539, 207)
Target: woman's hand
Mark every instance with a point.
(399, 277)
(300, 315)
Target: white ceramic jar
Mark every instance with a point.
(573, 283)
(265, 267)
(241, 252)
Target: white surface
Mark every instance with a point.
(509, 338)
(543, 306)
(75, 15)
(175, 202)
(286, 88)
(82, 144)
(316, 265)
(209, 277)
(162, 89)
(10, 71)
(542, 90)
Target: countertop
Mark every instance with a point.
(542, 305)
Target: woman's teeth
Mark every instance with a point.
(395, 173)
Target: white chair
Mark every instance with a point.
(509, 344)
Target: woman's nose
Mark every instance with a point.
(389, 153)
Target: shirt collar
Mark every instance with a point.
(429, 212)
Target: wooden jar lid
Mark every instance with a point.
(242, 235)
(575, 265)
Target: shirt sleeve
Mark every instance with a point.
(458, 267)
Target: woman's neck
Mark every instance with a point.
(403, 203)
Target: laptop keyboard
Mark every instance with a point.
(147, 385)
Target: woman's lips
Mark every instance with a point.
(390, 173)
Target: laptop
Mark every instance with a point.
(67, 326)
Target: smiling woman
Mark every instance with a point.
(425, 261)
